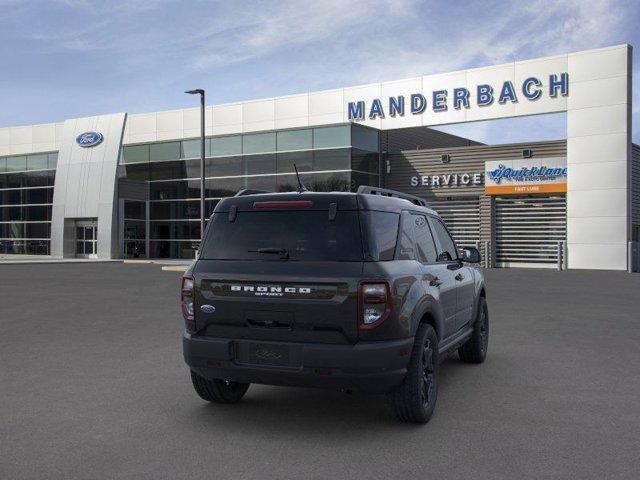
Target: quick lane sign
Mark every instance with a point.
(513, 177)
(482, 95)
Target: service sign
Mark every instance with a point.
(524, 176)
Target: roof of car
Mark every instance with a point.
(321, 201)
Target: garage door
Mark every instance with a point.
(462, 217)
(528, 230)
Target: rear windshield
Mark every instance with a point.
(284, 235)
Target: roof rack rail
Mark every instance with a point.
(248, 191)
(385, 192)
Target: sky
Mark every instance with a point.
(74, 58)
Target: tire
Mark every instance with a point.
(415, 399)
(475, 350)
(218, 391)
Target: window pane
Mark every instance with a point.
(295, 140)
(223, 146)
(134, 209)
(16, 164)
(424, 240)
(406, 244)
(140, 171)
(223, 187)
(134, 249)
(37, 162)
(175, 190)
(364, 161)
(135, 154)
(266, 183)
(327, 182)
(38, 230)
(339, 159)
(223, 166)
(3, 165)
(134, 229)
(302, 160)
(327, 137)
(174, 210)
(38, 195)
(161, 152)
(37, 247)
(365, 139)
(52, 160)
(382, 228)
(259, 164)
(191, 148)
(448, 251)
(358, 179)
(306, 235)
(259, 143)
(167, 249)
(175, 170)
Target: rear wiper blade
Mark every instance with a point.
(284, 254)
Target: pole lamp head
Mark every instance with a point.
(198, 91)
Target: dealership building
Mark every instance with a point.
(127, 185)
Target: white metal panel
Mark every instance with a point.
(598, 63)
(596, 149)
(44, 133)
(21, 135)
(598, 256)
(597, 121)
(295, 106)
(598, 93)
(596, 230)
(328, 102)
(596, 203)
(600, 176)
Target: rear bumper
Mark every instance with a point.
(372, 367)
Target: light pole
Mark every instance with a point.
(200, 91)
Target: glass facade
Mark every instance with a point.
(336, 158)
(26, 196)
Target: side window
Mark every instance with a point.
(384, 232)
(424, 240)
(406, 244)
(448, 251)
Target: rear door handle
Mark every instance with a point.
(435, 282)
(459, 277)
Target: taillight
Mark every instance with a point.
(186, 301)
(374, 304)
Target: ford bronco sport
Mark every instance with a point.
(357, 291)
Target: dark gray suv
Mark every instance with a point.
(357, 291)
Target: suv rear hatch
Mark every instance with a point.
(284, 269)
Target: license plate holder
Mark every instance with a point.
(272, 354)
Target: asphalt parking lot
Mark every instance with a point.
(92, 385)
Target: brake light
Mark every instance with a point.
(186, 302)
(374, 304)
(284, 204)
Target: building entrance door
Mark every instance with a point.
(87, 239)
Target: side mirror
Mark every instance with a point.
(470, 255)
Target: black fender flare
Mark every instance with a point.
(428, 306)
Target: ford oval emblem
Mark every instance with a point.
(89, 139)
(208, 308)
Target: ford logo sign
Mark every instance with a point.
(89, 139)
(208, 308)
